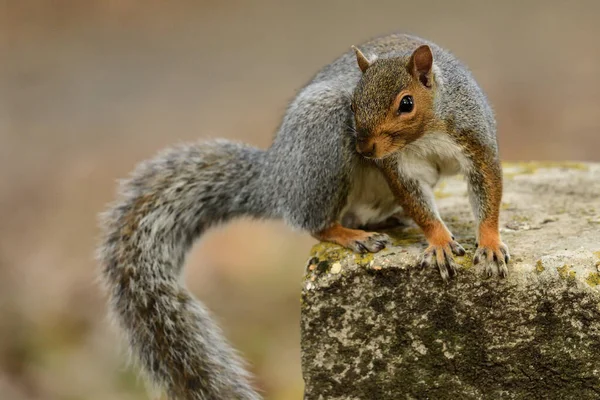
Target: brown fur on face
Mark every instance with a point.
(381, 128)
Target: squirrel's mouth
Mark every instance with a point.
(389, 154)
(388, 151)
(384, 155)
(379, 148)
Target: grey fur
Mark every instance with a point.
(305, 177)
(167, 203)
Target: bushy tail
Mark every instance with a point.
(162, 208)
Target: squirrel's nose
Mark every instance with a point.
(367, 149)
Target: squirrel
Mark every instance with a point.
(358, 146)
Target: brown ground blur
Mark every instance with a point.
(90, 88)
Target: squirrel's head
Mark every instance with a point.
(393, 101)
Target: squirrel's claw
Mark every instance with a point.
(372, 242)
(442, 257)
(457, 249)
(494, 260)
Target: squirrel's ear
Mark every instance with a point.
(362, 61)
(421, 63)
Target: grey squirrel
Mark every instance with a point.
(357, 146)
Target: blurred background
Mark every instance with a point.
(90, 88)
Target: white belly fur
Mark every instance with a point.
(370, 200)
(430, 157)
(427, 159)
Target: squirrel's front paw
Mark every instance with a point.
(442, 257)
(494, 258)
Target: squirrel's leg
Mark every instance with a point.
(484, 179)
(354, 239)
(416, 199)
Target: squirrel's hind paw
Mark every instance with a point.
(356, 240)
(370, 242)
(494, 259)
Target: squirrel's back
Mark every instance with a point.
(393, 45)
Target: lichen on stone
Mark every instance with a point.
(465, 261)
(593, 279)
(565, 272)
(539, 267)
(363, 259)
(406, 237)
(330, 251)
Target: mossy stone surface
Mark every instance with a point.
(382, 328)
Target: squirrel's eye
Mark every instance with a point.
(406, 104)
(352, 107)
